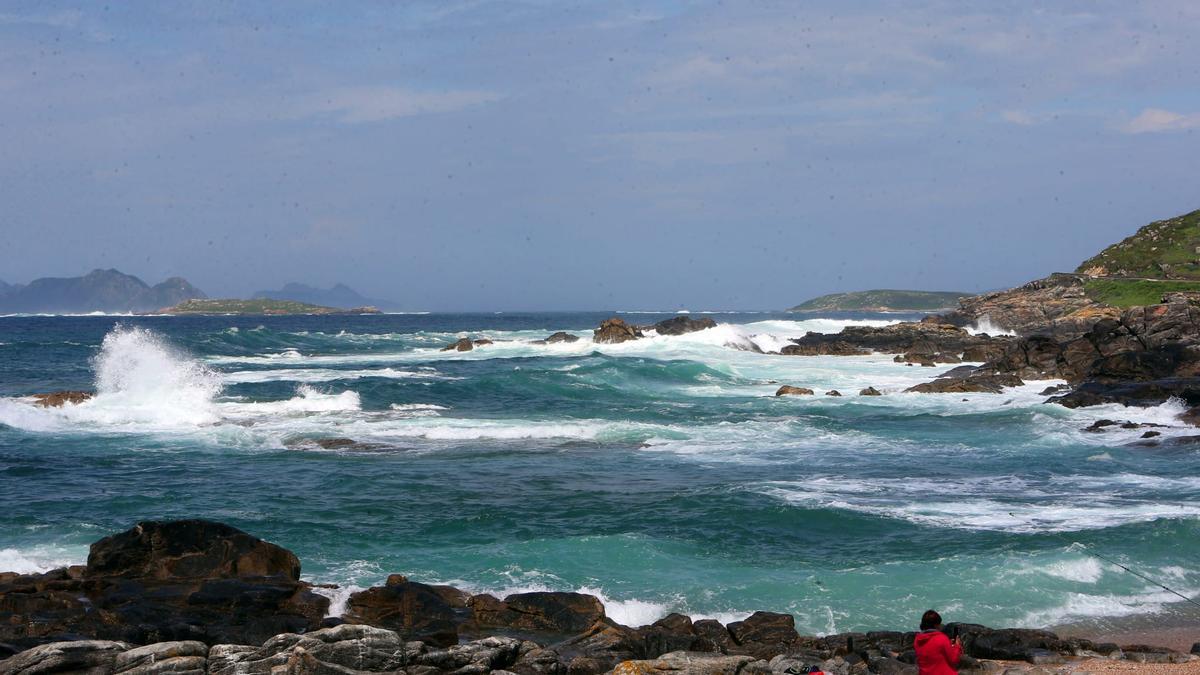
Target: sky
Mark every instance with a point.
(475, 155)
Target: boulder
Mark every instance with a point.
(189, 549)
(1014, 644)
(57, 399)
(833, 392)
(189, 657)
(679, 325)
(413, 610)
(615, 330)
(870, 391)
(538, 612)
(461, 345)
(789, 390)
(694, 663)
(82, 656)
(555, 338)
(164, 581)
(765, 634)
(343, 649)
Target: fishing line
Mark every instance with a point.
(1134, 573)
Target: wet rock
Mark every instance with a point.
(538, 612)
(830, 348)
(1055, 389)
(555, 338)
(833, 392)
(1150, 654)
(81, 656)
(680, 325)
(1014, 644)
(57, 399)
(461, 345)
(413, 610)
(189, 549)
(870, 391)
(600, 648)
(1139, 394)
(789, 390)
(716, 632)
(615, 330)
(992, 384)
(165, 581)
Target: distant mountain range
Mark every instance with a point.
(340, 295)
(97, 291)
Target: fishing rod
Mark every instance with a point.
(1134, 573)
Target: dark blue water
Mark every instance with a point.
(661, 474)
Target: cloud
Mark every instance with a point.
(1155, 120)
(354, 105)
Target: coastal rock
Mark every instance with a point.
(615, 330)
(694, 663)
(555, 338)
(189, 549)
(984, 383)
(1014, 644)
(57, 399)
(833, 392)
(461, 345)
(789, 390)
(179, 580)
(539, 612)
(1057, 304)
(79, 656)
(921, 340)
(414, 610)
(765, 634)
(680, 325)
(189, 657)
(831, 348)
(870, 391)
(1141, 394)
(342, 649)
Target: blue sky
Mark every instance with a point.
(592, 155)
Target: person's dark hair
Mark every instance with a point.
(930, 619)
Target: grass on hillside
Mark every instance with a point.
(255, 306)
(882, 299)
(1125, 293)
(1165, 249)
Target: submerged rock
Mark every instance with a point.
(57, 399)
(554, 338)
(789, 390)
(680, 325)
(462, 345)
(870, 391)
(984, 383)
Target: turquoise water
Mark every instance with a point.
(662, 475)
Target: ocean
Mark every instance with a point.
(661, 475)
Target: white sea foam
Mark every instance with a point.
(38, 559)
(311, 375)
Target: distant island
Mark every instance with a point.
(257, 306)
(882, 300)
(338, 295)
(98, 291)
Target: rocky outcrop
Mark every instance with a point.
(974, 383)
(680, 325)
(414, 610)
(538, 612)
(1056, 305)
(870, 391)
(789, 390)
(921, 341)
(615, 330)
(57, 399)
(180, 580)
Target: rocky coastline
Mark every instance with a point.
(199, 597)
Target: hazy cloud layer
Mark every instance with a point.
(486, 155)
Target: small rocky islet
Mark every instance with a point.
(201, 597)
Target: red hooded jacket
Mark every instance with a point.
(935, 654)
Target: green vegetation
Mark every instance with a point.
(1125, 293)
(1166, 249)
(258, 306)
(882, 300)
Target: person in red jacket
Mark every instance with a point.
(936, 655)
